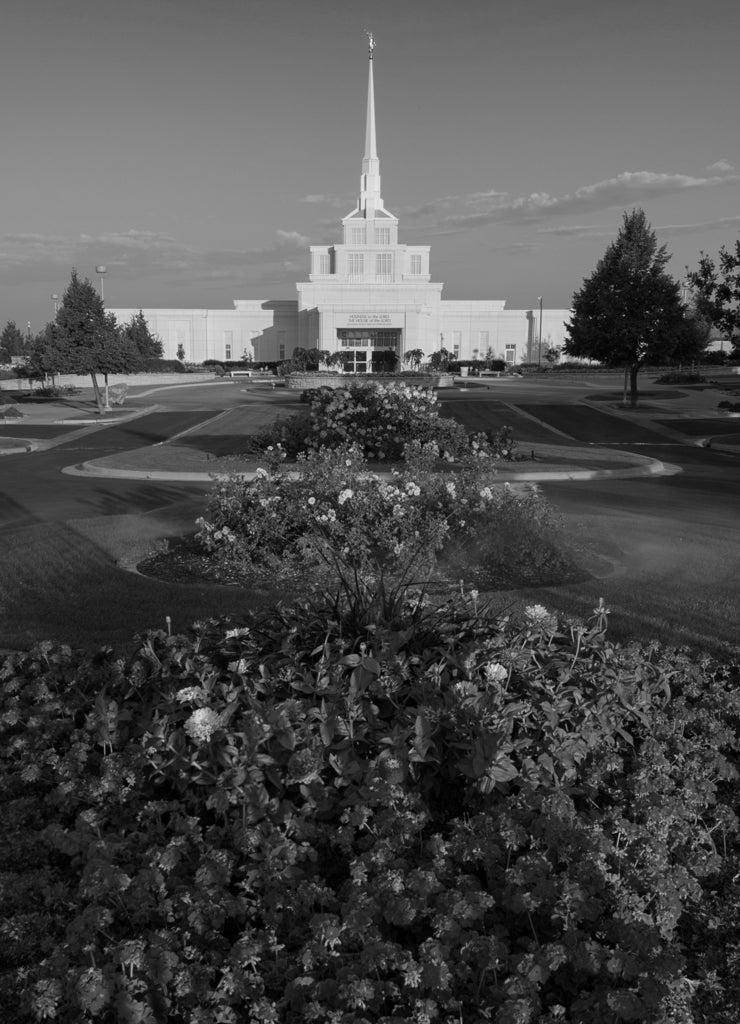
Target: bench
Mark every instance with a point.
(240, 373)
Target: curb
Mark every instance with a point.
(23, 448)
(653, 467)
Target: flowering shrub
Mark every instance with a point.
(282, 821)
(381, 419)
(332, 518)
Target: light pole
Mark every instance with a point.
(55, 300)
(101, 270)
(539, 342)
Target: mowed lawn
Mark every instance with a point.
(226, 433)
(479, 414)
(57, 584)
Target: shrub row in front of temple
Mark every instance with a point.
(446, 818)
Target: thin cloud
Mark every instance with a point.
(691, 229)
(135, 254)
(327, 199)
(627, 189)
(293, 239)
(721, 166)
(576, 231)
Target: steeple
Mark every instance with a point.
(370, 199)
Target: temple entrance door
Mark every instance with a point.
(355, 361)
(366, 349)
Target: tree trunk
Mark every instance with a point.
(107, 403)
(626, 378)
(634, 370)
(96, 389)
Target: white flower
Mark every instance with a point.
(312, 500)
(450, 488)
(189, 693)
(538, 616)
(260, 473)
(495, 672)
(239, 631)
(413, 489)
(345, 495)
(202, 724)
(487, 493)
(474, 595)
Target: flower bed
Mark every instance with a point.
(329, 521)
(452, 818)
(380, 418)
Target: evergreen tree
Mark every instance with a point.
(88, 339)
(629, 312)
(44, 357)
(12, 342)
(148, 345)
(717, 292)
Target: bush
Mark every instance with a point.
(329, 520)
(729, 406)
(453, 819)
(162, 366)
(681, 377)
(381, 419)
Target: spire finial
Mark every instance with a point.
(370, 43)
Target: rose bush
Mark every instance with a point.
(329, 517)
(381, 419)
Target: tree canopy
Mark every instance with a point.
(12, 342)
(148, 345)
(87, 339)
(717, 292)
(629, 311)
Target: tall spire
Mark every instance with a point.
(370, 199)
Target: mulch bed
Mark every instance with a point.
(184, 562)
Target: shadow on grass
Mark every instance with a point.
(58, 585)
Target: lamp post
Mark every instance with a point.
(101, 270)
(55, 300)
(539, 341)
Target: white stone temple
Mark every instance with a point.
(367, 293)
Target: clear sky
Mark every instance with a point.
(197, 149)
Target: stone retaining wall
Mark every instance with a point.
(78, 380)
(304, 381)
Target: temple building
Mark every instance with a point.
(369, 293)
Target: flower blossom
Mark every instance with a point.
(413, 489)
(495, 672)
(345, 495)
(537, 615)
(202, 724)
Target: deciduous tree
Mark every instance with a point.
(629, 311)
(717, 292)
